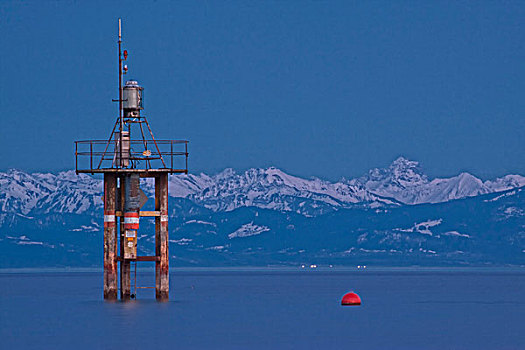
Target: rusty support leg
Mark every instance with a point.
(125, 280)
(110, 251)
(162, 282)
(125, 266)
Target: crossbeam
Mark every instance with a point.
(141, 213)
(140, 258)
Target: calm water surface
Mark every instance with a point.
(268, 310)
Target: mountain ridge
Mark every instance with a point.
(486, 230)
(401, 183)
(393, 216)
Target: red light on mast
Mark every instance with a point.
(125, 54)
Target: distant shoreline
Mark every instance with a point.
(335, 269)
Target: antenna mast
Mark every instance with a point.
(120, 88)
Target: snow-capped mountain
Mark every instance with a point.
(44, 193)
(402, 182)
(274, 189)
(266, 216)
(20, 192)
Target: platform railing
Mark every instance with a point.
(96, 156)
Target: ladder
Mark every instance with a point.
(133, 280)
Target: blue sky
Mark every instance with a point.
(326, 89)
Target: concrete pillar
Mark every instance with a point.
(125, 266)
(162, 278)
(110, 244)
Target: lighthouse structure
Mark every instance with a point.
(130, 153)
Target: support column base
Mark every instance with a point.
(162, 296)
(110, 295)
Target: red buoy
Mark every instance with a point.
(351, 299)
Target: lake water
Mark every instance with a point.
(269, 309)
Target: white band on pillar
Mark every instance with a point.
(130, 220)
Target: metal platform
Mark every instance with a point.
(147, 157)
